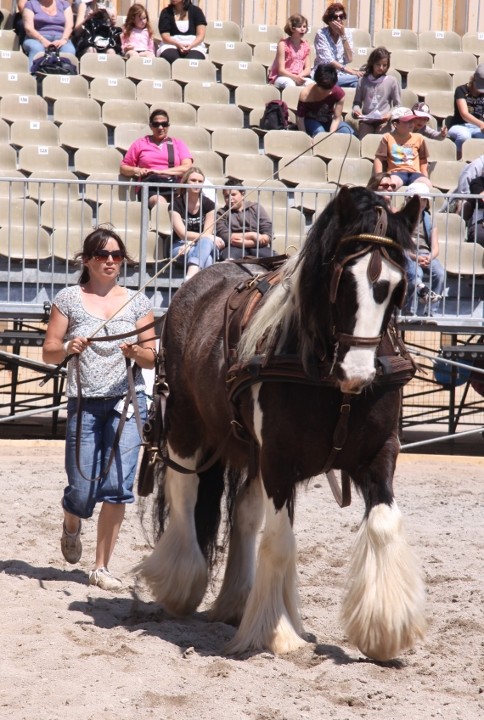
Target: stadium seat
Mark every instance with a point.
(227, 141)
(338, 145)
(107, 88)
(444, 174)
(9, 40)
(353, 171)
(19, 107)
(198, 93)
(221, 52)
(147, 68)
(254, 34)
(434, 41)
(453, 60)
(264, 53)
(32, 158)
(65, 109)
(180, 113)
(68, 222)
(304, 169)
(156, 92)
(440, 102)
(195, 137)
(17, 83)
(90, 133)
(114, 112)
(472, 149)
(47, 184)
(62, 86)
(236, 73)
(247, 97)
(212, 115)
(404, 60)
(396, 39)
(278, 143)
(225, 31)
(14, 61)
(248, 165)
(184, 70)
(100, 65)
(34, 132)
(126, 133)
(107, 160)
(422, 81)
(473, 42)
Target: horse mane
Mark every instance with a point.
(299, 304)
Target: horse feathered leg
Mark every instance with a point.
(176, 570)
(240, 568)
(271, 619)
(383, 609)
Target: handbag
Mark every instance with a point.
(160, 177)
(51, 63)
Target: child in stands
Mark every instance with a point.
(292, 65)
(403, 152)
(137, 35)
(421, 110)
(376, 94)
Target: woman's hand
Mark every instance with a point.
(76, 346)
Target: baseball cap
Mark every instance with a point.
(421, 109)
(479, 78)
(403, 113)
(418, 188)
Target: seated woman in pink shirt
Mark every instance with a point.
(137, 35)
(292, 65)
(157, 158)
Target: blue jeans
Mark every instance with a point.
(434, 274)
(313, 127)
(33, 47)
(99, 423)
(408, 178)
(347, 80)
(201, 254)
(460, 133)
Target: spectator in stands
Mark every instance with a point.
(402, 152)
(100, 467)
(475, 225)
(193, 218)
(157, 158)
(47, 22)
(320, 106)
(182, 27)
(17, 22)
(98, 33)
(382, 183)
(244, 226)
(137, 35)
(470, 172)
(334, 46)
(421, 261)
(292, 65)
(422, 112)
(468, 119)
(376, 94)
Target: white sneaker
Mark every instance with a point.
(102, 578)
(71, 545)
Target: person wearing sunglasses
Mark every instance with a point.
(383, 183)
(100, 460)
(334, 46)
(157, 158)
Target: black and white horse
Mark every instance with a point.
(328, 312)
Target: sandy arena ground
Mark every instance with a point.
(75, 652)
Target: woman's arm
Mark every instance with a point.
(178, 169)
(337, 116)
(143, 351)
(55, 348)
(434, 243)
(80, 18)
(29, 26)
(199, 36)
(179, 227)
(68, 26)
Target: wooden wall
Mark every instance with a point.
(419, 15)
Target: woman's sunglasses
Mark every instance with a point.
(387, 186)
(117, 256)
(339, 16)
(162, 124)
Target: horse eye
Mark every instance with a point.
(380, 291)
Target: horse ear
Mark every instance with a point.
(410, 213)
(344, 205)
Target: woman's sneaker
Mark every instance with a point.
(71, 545)
(426, 295)
(102, 578)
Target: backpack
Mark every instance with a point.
(51, 63)
(100, 34)
(276, 116)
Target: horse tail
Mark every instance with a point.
(212, 484)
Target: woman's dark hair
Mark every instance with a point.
(375, 180)
(158, 111)
(325, 76)
(330, 11)
(97, 240)
(186, 5)
(379, 53)
(293, 22)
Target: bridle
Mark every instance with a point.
(377, 245)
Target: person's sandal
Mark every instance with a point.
(102, 578)
(71, 545)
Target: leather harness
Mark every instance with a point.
(394, 365)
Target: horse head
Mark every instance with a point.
(352, 277)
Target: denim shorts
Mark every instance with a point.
(99, 422)
(407, 177)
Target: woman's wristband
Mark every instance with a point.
(66, 347)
